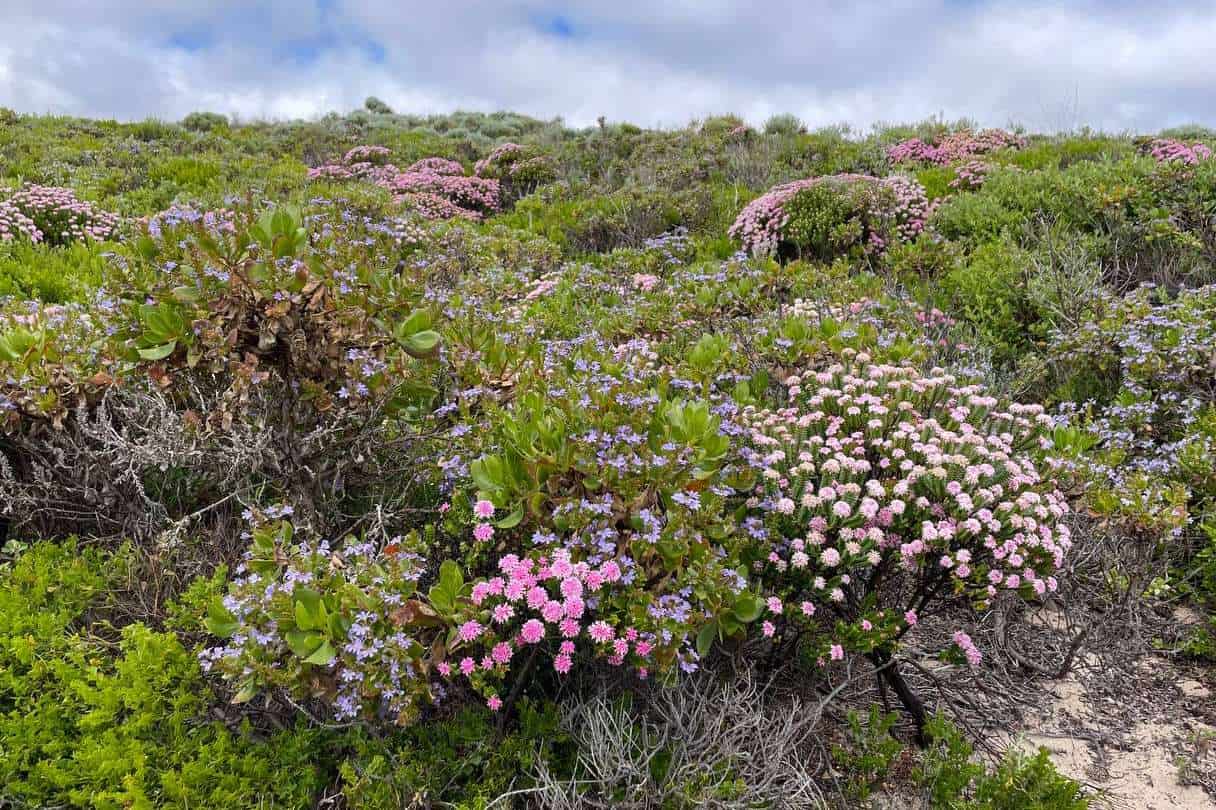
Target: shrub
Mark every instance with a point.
(881, 489)
(1168, 150)
(375, 105)
(954, 781)
(520, 170)
(233, 349)
(955, 146)
(119, 721)
(827, 216)
(60, 217)
(783, 124)
(205, 122)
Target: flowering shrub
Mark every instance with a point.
(249, 345)
(433, 188)
(57, 215)
(1139, 382)
(374, 155)
(340, 623)
(520, 169)
(827, 216)
(955, 146)
(15, 225)
(970, 175)
(476, 195)
(882, 490)
(1168, 150)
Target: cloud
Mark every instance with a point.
(1112, 64)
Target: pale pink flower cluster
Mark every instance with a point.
(375, 155)
(15, 225)
(505, 153)
(476, 194)
(60, 216)
(436, 165)
(645, 281)
(1168, 150)
(955, 146)
(433, 187)
(970, 176)
(891, 470)
(964, 643)
(760, 225)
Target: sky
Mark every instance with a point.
(1110, 64)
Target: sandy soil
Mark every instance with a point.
(1127, 756)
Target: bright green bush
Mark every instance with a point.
(120, 720)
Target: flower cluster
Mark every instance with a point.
(1168, 150)
(955, 146)
(1146, 368)
(433, 187)
(15, 225)
(894, 207)
(546, 600)
(338, 622)
(476, 195)
(60, 216)
(970, 176)
(882, 488)
(374, 155)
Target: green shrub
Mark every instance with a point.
(1018, 782)
(119, 721)
(783, 124)
(52, 275)
(988, 290)
(204, 122)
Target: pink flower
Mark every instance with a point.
(911, 618)
(808, 609)
(483, 509)
(483, 532)
(837, 652)
(643, 648)
(503, 613)
(532, 631)
(470, 630)
(768, 629)
(467, 665)
(601, 631)
(574, 608)
(774, 605)
(552, 611)
(571, 588)
(445, 669)
(501, 652)
(563, 663)
(569, 628)
(494, 702)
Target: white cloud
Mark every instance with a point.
(1109, 64)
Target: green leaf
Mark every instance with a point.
(422, 345)
(158, 352)
(220, 621)
(705, 638)
(302, 643)
(322, 655)
(748, 607)
(512, 520)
